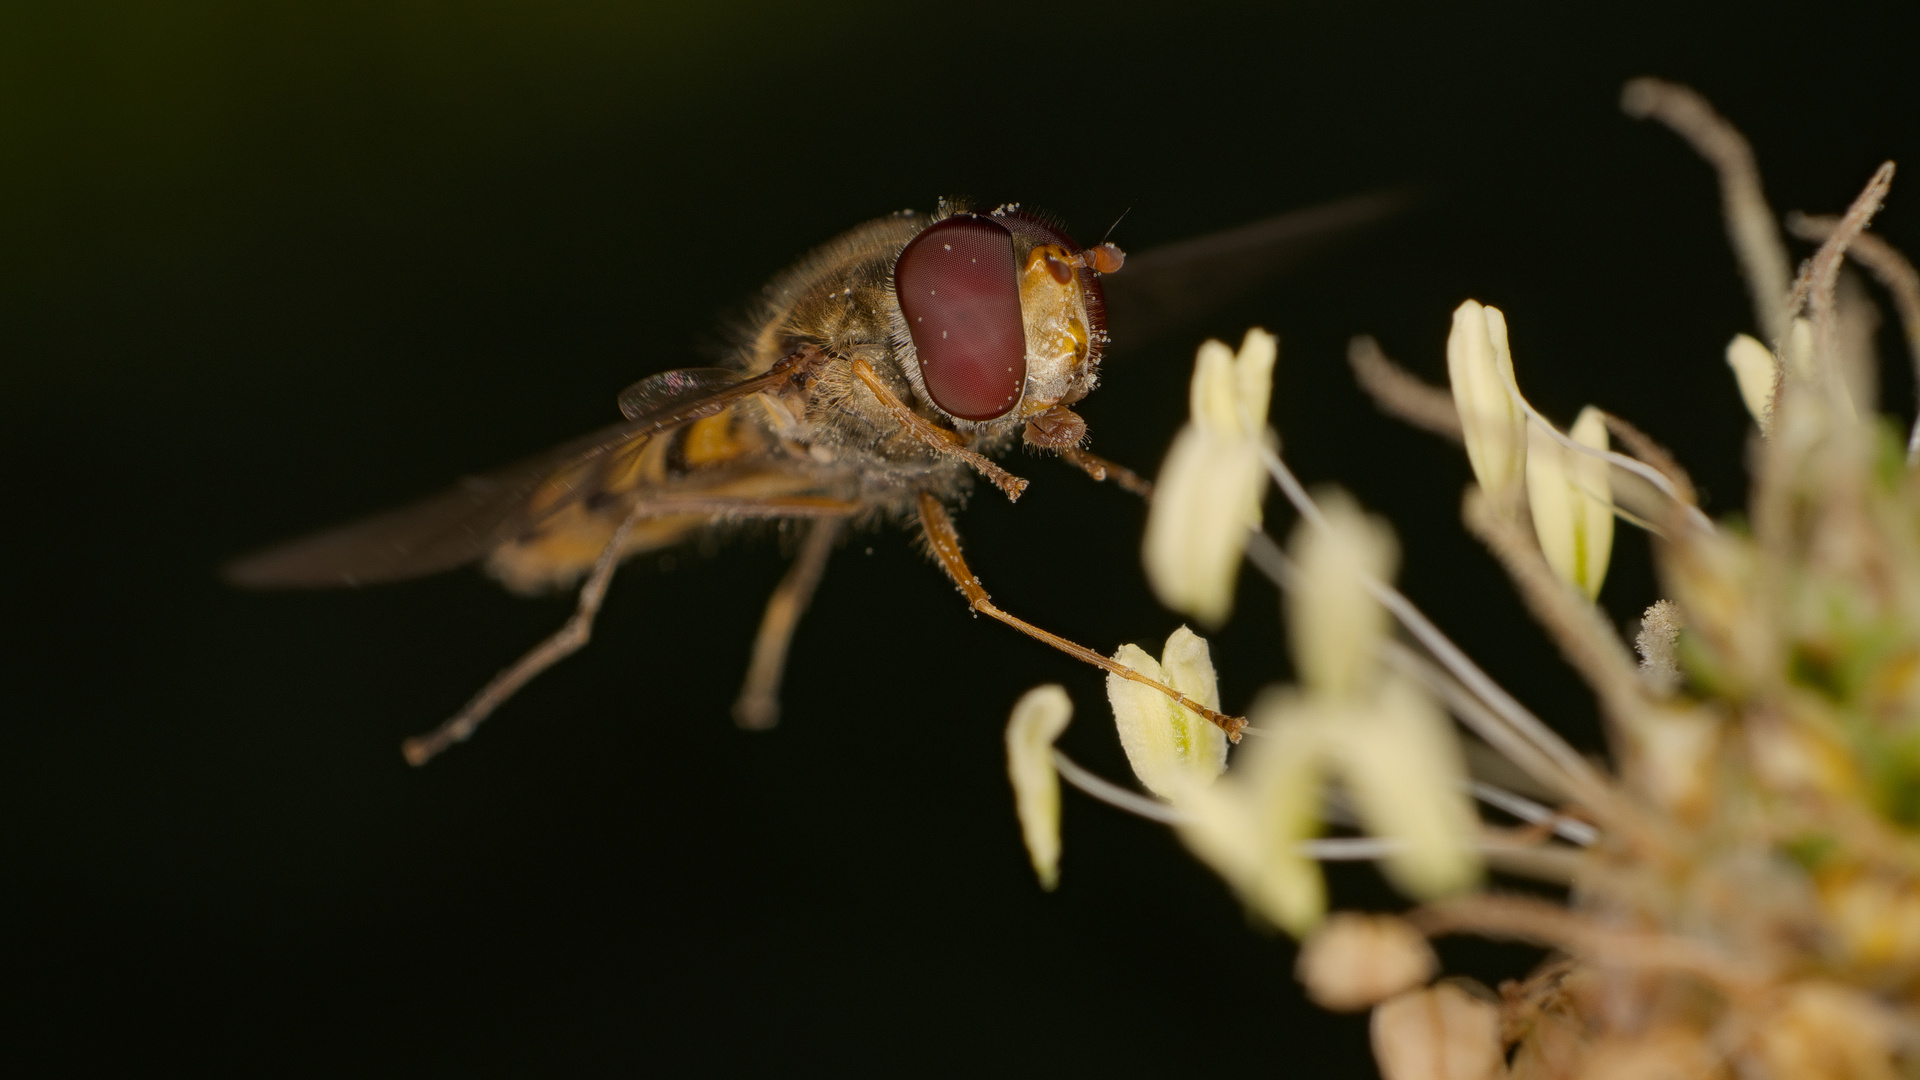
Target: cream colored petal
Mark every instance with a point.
(1213, 394)
(1253, 378)
(1443, 1033)
(1800, 349)
(1356, 961)
(1205, 502)
(1400, 760)
(1187, 663)
(1756, 371)
(1572, 502)
(1479, 367)
(1250, 826)
(1231, 391)
(1038, 718)
(1171, 748)
(1333, 622)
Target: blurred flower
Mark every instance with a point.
(1333, 623)
(1357, 961)
(1572, 502)
(1394, 750)
(1038, 718)
(1208, 493)
(1251, 827)
(1757, 373)
(1399, 759)
(1479, 367)
(1170, 747)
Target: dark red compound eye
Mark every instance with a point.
(960, 292)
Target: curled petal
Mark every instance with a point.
(1038, 718)
(1401, 762)
(1172, 749)
(1333, 623)
(1572, 502)
(1757, 372)
(1479, 367)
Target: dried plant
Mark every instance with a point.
(1743, 880)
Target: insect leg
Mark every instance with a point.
(936, 438)
(1101, 469)
(945, 542)
(758, 707)
(565, 642)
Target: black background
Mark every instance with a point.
(263, 269)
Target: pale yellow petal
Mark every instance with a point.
(1479, 366)
(1572, 503)
(1038, 718)
(1400, 760)
(1171, 748)
(1253, 378)
(1250, 826)
(1756, 371)
(1214, 393)
(1333, 623)
(1205, 502)
(1187, 663)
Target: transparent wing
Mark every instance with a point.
(669, 389)
(460, 525)
(1163, 287)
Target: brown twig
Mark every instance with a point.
(1823, 273)
(1400, 393)
(1895, 273)
(1584, 636)
(1543, 923)
(1757, 246)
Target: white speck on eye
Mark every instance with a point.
(949, 247)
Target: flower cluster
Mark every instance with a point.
(1748, 865)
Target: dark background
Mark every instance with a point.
(265, 268)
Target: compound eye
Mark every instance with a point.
(960, 292)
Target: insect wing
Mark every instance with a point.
(661, 393)
(466, 522)
(1163, 287)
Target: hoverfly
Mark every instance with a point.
(884, 372)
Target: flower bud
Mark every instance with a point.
(1038, 718)
(1171, 748)
(1479, 367)
(1356, 961)
(1572, 502)
(1442, 1033)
